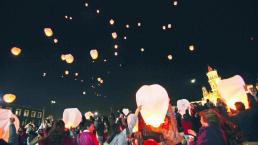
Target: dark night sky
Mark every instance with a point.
(224, 33)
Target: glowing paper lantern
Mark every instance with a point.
(125, 37)
(98, 11)
(114, 35)
(170, 57)
(232, 90)
(164, 27)
(9, 98)
(125, 111)
(66, 72)
(86, 4)
(191, 47)
(69, 58)
(94, 54)
(127, 26)
(139, 24)
(55, 40)
(154, 100)
(88, 115)
(116, 46)
(72, 117)
(76, 74)
(16, 51)
(111, 22)
(142, 49)
(5, 116)
(48, 32)
(169, 26)
(175, 3)
(182, 106)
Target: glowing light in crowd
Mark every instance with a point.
(111, 22)
(72, 117)
(170, 57)
(182, 106)
(55, 40)
(66, 72)
(193, 80)
(98, 79)
(116, 46)
(114, 35)
(48, 32)
(154, 101)
(16, 51)
(88, 115)
(9, 98)
(94, 54)
(191, 47)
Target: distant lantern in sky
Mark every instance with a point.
(191, 47)
(94, 54)
(116, 46)
(169, 26)
(71, 18)
(86, 4)
(63, 57)
(66, 72)
(105, 60)
(125, 37)
(139, 24)
(44, 74)
(9, 98)
(170, 57)
(55, 40)
(101, 81)
(111, 22)
(193, 80)
(84, 93)
(48, 32)
(164, 27)
(142, 49)
(98, 79)
(98, 11)
(114, 35)
(175, 3)
(116, 54)
(66, 16)
(127, 26)
(76, 74)
(69, 58)
(16, 51)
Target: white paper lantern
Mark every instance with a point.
(72, 117)
(232, 90)
(88, 115)
(94, 54)
(48, 32)
(5, 116)
(182, 106)
(16, 51)
(154, 100)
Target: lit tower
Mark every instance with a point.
(213, 79)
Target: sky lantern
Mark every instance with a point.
(111, 22)
(125, 37)
(66, 72)
(170, 57)
(5, 115)
(191, 47)
(114, 35)
(154, 101)
(48, 32)
(86, 4)
(139, 24)
(232, 90)
(16, 51)
(63, 57)
(66, 16)
(88, 115)
(142, 49)
(182, 106)
(76, 74)
(55, 40)
(97, 11)
(101, 81)
(69, 58)
(169, 26)
(175, 3)
(116, 46)
(98, 79)
(127, 26)
(116, 53)
(164, 27)
(72, 117)
(9, 98)
(94, 54)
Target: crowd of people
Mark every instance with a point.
(208, 124)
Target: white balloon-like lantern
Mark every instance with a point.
(155, 101)
(94, 54)
(72, 117)
(48, 32)
(9, 98)
(88, 115)
(16, 51)
(232, 90)
(182, 106)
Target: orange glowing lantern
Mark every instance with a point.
(232, 90)
(9, 98)
(111, 22)
(114, 35)
(48, 32)
(94, 54)
(88, 115)
(63, 57)
(170, 57)
(16, 51)
(69, 58)
(154, 100)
